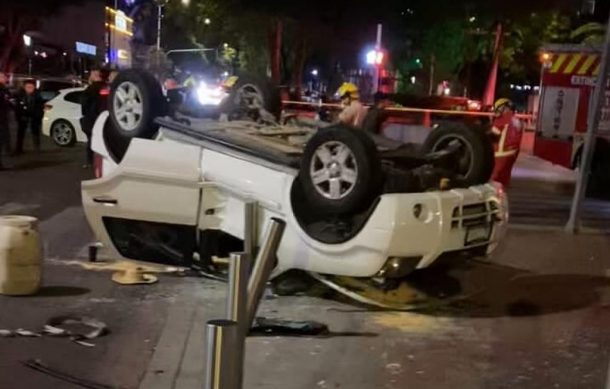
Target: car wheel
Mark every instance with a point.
(340, 170)
(475, 154)
(249, 95)
(136, 99)
(63, 133)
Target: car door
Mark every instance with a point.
(148, 207)
(71, 110)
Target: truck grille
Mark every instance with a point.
(475, 214)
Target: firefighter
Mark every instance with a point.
(353, 112)
(507, 130)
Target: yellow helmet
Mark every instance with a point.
(501, 103)
(347, 89)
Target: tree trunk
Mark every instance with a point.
(276, 47)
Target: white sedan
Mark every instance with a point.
(62, 116)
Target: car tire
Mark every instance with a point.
(136, 100)
(249, 92)
(476, 163)
(63, 133)
(340, 171)
(116, 144)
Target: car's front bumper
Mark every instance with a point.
(416, 228)
(449, 221)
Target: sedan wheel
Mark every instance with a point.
(63, 134)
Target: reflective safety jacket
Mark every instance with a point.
(509, 130)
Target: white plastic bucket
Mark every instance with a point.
(20, 255)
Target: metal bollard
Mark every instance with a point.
(221, 364)
(239, 267)
(250, 228)
(263, 266)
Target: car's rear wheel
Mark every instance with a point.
(340, 170)
(473, 150)
(63, 133)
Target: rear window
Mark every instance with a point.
(74, 97)
(48, 95)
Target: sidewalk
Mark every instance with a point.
(540, 197)
(535, 317)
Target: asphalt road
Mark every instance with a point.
(536, 316)
(47, 185)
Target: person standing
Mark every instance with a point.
(91, 106)
(5, 107)
(354, 111)
(30, 110)
(507, 130)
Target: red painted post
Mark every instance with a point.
(427, 120)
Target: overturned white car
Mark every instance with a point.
(171, 186)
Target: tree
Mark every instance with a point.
(589, 33)
(18, 17)
(525, 38)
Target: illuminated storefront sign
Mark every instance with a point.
(120, 21)
(85, 48)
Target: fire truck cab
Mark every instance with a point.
(568, 79)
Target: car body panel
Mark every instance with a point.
(63, 109)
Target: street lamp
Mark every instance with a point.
(207, 21)
(27, 41)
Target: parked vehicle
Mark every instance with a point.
(353, 205)
(62, 116)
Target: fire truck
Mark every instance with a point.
(568, 79)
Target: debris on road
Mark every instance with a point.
(78, 329)
(38, 365)
(393, 368)
(266, 326)
(127, 272)
(134, 276)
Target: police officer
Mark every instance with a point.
(30, 110)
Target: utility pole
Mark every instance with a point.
(592, 126)
(159, 17)
(378, 65)
(431, 83)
